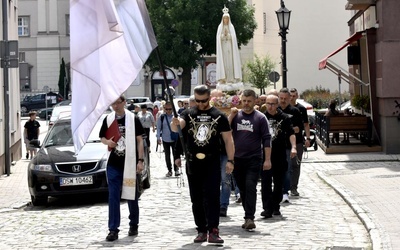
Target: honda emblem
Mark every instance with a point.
(76, 168)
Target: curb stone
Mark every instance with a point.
(362, 213)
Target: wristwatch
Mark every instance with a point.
(232, 161)
(141, 159)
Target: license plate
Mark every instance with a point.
(75, 181)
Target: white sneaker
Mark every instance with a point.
(285, 198)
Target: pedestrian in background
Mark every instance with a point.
(147, 120)
(251, 136)
(305, 129)
(168, 139)
(202, 126)
(297, 122)
(332, 111)
(185, 105)
(282, 139)
(31, 132)
(126, 152)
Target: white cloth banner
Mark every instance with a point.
(109, 45)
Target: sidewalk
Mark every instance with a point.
(369, 183)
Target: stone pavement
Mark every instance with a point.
(318, 219)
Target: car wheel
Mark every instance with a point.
(39, 200)
(24, 110)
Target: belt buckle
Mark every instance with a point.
(200, 156)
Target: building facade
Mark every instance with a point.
(10, 151)
(43, 27)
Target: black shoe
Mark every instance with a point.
(222, 212)
(113, 235)
(177, 173)
(239, 200)
(266, 214)
(133, 231)
(277, 212)
(27, 156)
(294, 192)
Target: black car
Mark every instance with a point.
(57, 171)
(45, 113)
(38, 101)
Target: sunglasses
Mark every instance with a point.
(168, 109)
(201, 101)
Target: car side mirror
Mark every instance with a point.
(34, 143)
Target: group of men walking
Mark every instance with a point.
(254, 144)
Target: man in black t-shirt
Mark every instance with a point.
(121, 156)
(298, 126)
(294, 179)
(283, 139)
(202, 127)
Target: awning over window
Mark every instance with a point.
(353, 38)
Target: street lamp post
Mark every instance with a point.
(283, 15)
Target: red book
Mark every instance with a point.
(113, 131)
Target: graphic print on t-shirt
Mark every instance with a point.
(121, 145)
(202, 128)
(275, 128)
(245, 125)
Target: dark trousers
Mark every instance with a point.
(246, 173)
(296, 163)
(204, 179)
(147, 132)
(272, 198)
(168, 148)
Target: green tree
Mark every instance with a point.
(63, 84)
(258, 70)
(186, 30)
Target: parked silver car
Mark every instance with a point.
(140, 101)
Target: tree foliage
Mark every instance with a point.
(63, 84)
(186, 30)
(258, 70)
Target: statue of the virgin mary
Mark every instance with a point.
(229, 70)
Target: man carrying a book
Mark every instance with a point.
(122, 133)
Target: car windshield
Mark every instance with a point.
(61, 134)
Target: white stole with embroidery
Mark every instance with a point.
(129, 179)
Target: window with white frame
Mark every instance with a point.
(67, 24)
(23, 26)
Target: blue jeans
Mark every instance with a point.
(247, 172)
(114, 179)
(227, 181)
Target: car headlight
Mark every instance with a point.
(41, 167)
(103, 162)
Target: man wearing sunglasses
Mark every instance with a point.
(202, 127)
